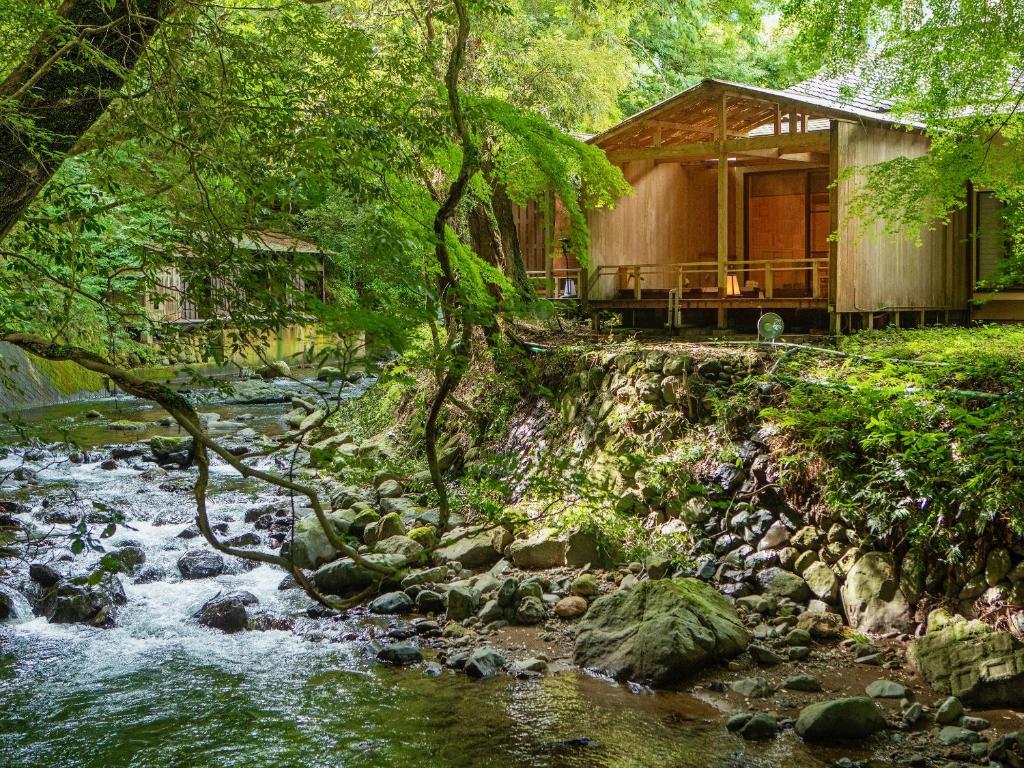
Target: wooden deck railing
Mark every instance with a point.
(558, 283)
(755, 278)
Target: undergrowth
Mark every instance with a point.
(916, 436)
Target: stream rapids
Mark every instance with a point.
(159, 690)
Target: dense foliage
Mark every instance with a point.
(916, 434)
(954, 67)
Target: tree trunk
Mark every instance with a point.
(515, 267)
(62, 86)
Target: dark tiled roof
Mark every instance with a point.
(847, 90)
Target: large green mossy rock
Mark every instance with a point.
(344, 577)
(310, 547)
(872, 598)
(659, 632)
(970, 660)
(840, 719)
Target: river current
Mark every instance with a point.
(159, 690)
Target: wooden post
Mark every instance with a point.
(833, 217)
(723, 209)
(896, 318)
(815, 279)
(583, 289)
(769, 280)
(778, 120)
(636, 282)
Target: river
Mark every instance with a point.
(160, 690)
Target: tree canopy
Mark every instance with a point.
(953, 67)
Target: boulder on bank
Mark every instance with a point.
(970, 660)
(472, 548)
(872, 597)
(310, 547)
(228, 612)
(399, 545)
(344, 577)
(659, 631)
(542, 549)
(840, 719)
(779, 583)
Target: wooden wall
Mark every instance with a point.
(875, 270)
(529, 221)
(670, 218)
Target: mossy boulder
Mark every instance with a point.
(659, 632)
(424, 535)
(345, 577)
(326, 452)
(542, 549)
(164, 446)
(872, 598)
(389, 525)
(970, 660)
(839, 720)
(310, 547)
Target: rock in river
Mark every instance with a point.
(484, 662)
(83, 603)
(391, 603)
(200, 564)
(659, 631)
(344, 577)
(840, 719)
(400, 654)
(227, 612)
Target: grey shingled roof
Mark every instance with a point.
(852, 89)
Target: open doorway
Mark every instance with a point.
(787, 228)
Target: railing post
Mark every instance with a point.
(679, 281)
(636, 282)
(769, 282)
(815, 279)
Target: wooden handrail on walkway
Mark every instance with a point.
(635, 274)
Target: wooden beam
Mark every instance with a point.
(833, 218)
(818, 141)
(778, 120)
(723, 206)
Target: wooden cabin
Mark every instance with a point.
(175, 300)
(734, 207)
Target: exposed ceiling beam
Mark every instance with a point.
(817, 141)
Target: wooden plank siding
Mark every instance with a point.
(529, 221)
(875, 270)
(670, 218)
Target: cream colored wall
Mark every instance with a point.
(877, 271)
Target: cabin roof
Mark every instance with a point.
(691, 116)
(274, 242)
